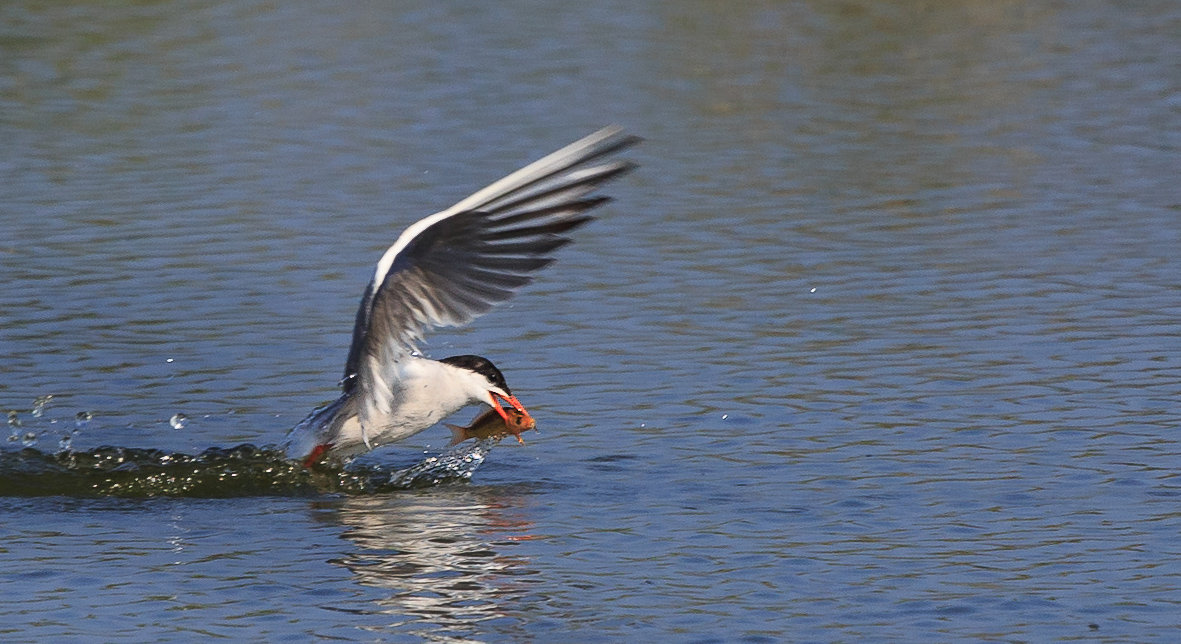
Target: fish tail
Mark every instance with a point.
(458, 434)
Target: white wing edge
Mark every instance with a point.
(550, 163)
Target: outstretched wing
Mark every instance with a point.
(447, 269)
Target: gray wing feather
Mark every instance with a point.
(449, 268)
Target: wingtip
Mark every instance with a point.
(615, 129)
(607, 140)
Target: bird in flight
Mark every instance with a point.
(445, 270)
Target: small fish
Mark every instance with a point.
(489, 424)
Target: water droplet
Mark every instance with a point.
(82, 418)
(14, 419)
(812, 290)
(178, 421)
(725, 416)
(29, 439)
(169, 360)
(65, 442)
(39, 404)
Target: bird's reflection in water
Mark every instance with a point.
(445, 555)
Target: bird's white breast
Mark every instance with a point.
(423, 392)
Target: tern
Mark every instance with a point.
(446, 270)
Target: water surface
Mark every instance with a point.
(880, 343)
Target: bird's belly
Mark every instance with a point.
(402, 423)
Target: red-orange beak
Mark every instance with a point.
(516, 404)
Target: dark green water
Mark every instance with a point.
(244, 470)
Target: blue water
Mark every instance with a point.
(880, 343)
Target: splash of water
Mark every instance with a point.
(456, 464)
(39, 405)
(244, 470)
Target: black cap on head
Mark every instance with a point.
(482, 366)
